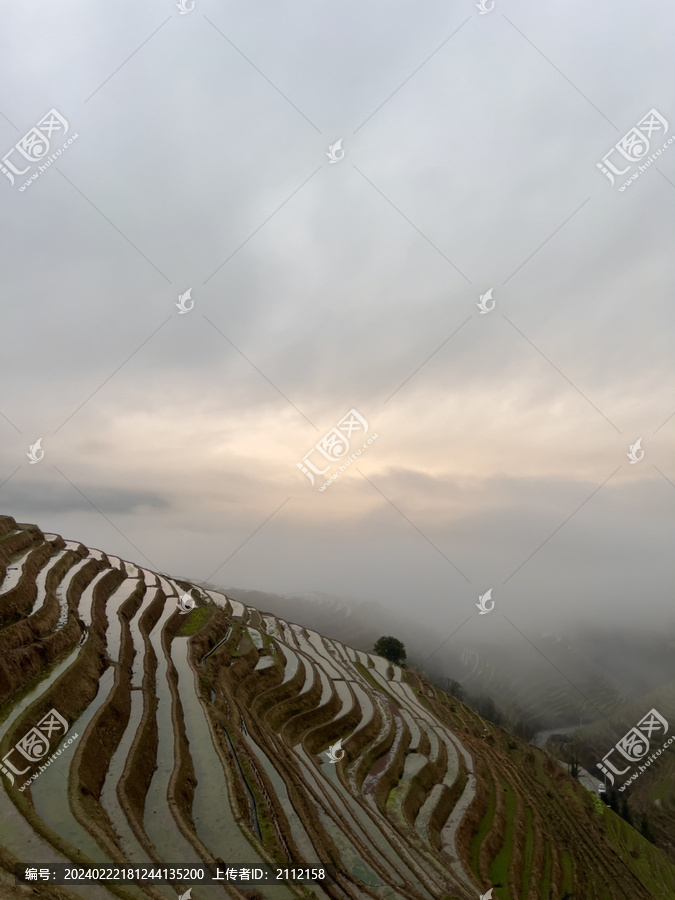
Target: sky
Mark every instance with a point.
(465, 150)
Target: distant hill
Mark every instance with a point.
(652, 792)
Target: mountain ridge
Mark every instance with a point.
(203, 735)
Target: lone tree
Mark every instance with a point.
(573, 763)
(391, 648)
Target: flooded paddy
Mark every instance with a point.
(50, 790)
(137, 666)
(16, 835)
(256, 637)
(212, 812)
(158, 823)
(352, 818)
(327, 661)
(298, 831)
(272, 627)
(220, 600)
(292, 661)
(346, 696)
(264, 663)
(15, 571)
(413, 728)
(11, 715)
(62, 592)
(115, 601)
(132, 849)
(366, 704)
(383, 854)
(238, 609)
(41, 581)
(150, 578)
(87, 598)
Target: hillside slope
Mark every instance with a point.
(203, 735)
(648, 790)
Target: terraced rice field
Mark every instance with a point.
(203, 737)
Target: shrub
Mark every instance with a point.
(390, 648)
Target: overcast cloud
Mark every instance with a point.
(470, 149)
